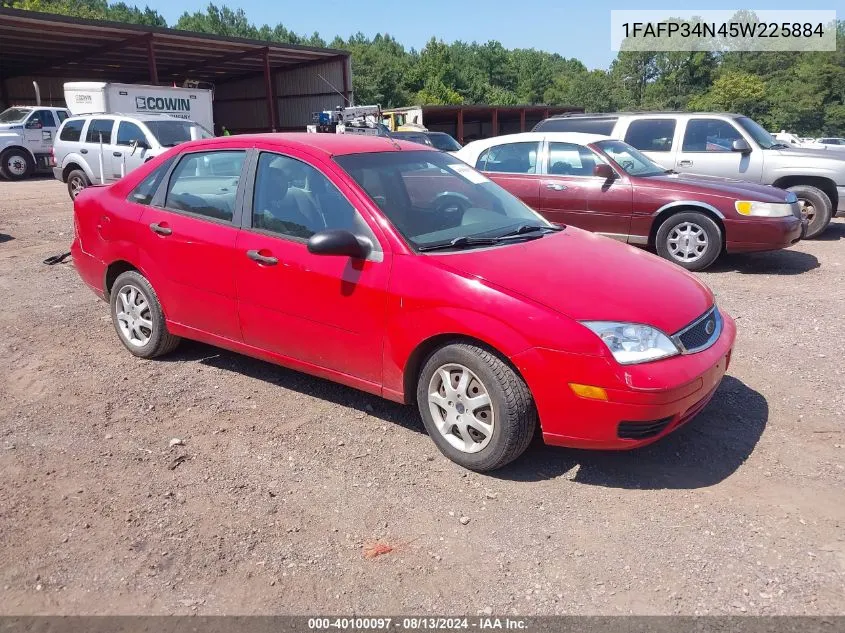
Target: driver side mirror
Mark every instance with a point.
(741, 145)
(338, 242)
(603, 170)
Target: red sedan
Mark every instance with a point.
(608, 187)
(403, 272)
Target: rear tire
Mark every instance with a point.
(816, 206)
(485, 416)
(138, 318)
(16, 164)
(77, 180)
(690, 239)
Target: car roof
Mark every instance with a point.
(330, 144)
(580, 138)
(644, 113)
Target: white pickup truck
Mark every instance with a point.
(26, 139)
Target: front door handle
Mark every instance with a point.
(155, 227)
(556, 187)
(117, 154)
(685, 163)
(267, 260)
(83, 151)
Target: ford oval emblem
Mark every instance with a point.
(709, 327)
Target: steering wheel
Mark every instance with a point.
(450, 204)
(627, 165)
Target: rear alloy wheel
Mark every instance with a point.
(16, 164)
(76, 182)
(476, 408)
(689, 239)
(138, 317)
(816, 207)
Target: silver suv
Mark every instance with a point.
(726, 145)
(103, 148)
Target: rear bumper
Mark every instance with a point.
(840, 207)
(762, 234)
(648, 400)
(91, 269)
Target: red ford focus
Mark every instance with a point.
(403, 272)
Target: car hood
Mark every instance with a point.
(713, 185)
(589, 277)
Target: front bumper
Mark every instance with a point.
(763, 234)
(669, 392)
(840, 207)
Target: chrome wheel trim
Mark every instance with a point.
(808, 209)
(76, 185)
(16, 165)
(461, 408)
(687, 242)
(132, 313)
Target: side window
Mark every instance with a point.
(512, 158)
(144, 192)
(127, 132)
(99, 128)
(62, 114)
(578, 124)
(72, 130)
(206, 183)
(651, 135)
(294, 199)
(481, 163)
(46, 117)
(570, 159)
(709, 135)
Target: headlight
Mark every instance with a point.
(763, 209)
(633, 342)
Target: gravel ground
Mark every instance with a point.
(289, 479)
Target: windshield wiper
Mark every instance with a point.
(521, 232)
(522, 229)
(778, 146)
(671, 172)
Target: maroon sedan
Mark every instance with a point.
(608, 187)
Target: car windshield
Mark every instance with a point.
(763, 138)
(172, 133)
(444, 142)
(630, 159)
(14, 115)
(436, 200)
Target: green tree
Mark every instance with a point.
(733, 92)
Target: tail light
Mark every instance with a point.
(52, 157)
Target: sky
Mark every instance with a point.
(574, 29)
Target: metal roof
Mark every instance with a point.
(44, 44)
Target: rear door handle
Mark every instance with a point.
(155, 227)
(685, 163)
(262, 259)
(556, 187)
(117, 154)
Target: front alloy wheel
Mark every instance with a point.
(460, 407)
(133, 316)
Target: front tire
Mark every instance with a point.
(77, 180)
(16, 164)
(690, 239)
(138, 318)
(815, 206)
(475, 407)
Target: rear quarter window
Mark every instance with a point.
(576, 124)
(651, 135)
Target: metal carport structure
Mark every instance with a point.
(52, 49)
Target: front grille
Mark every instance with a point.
(642, 430)
(701, 333)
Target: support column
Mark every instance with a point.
(346, 94)
(4, 98)
(268, 91)
(151, 60)
(546, 113)
(460, 126)
(522, 120)
(495, 122)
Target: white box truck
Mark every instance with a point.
(97, 97)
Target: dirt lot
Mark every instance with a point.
(289, 478)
